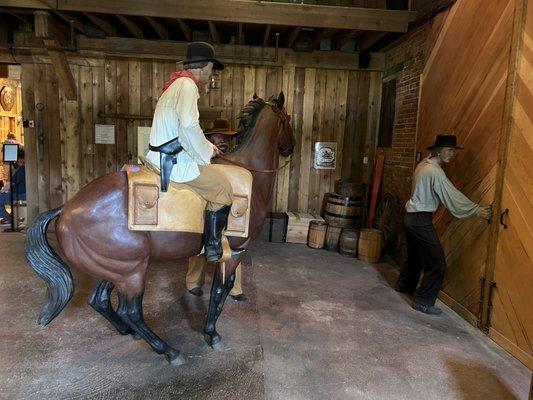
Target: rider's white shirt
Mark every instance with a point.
(176, 114)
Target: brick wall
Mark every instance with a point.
(405, 61)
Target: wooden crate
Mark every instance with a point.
(298, 226)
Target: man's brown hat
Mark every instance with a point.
(222, 127)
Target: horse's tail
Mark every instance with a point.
(48, 265)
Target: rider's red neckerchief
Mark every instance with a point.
(179, 74)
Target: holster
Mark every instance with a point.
(167, 159)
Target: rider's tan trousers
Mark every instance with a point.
(213, 187)
(196, 275)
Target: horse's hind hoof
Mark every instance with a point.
(174, 358)
(213, 340)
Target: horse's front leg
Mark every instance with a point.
(219, 292)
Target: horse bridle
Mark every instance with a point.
(285, 119)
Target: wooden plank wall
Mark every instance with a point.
(470, 102)
(318, 100)
(512, 319)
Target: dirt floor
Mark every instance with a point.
(316, 325)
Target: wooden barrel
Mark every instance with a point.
(349, 189)
(348, 241)
(332, 237)
(370, 245)
(317, 234)
(344, 211)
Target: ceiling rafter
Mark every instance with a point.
(131, 26)
(266, 35)
(293, 34)
(158, 27)
(345, 37)
(215, 36)
(103, 24)
(185, 29)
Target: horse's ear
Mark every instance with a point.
(254, 96)
(280, 100)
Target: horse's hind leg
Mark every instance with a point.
(101, 302)
(131, 312)
(219, 292)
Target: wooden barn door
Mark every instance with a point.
(463, 90)
(511, 298)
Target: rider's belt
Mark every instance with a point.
(167, 159)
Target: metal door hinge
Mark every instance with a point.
(492, 285)
(481, 296)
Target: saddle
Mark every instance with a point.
(180, 208)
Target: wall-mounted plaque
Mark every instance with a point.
(325, 155)
(104, 134)
(7, 98)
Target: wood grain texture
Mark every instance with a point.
(335, 110)
(512, 319)
(463, 91)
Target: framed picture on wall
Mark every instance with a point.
(325, 155)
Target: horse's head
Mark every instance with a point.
(285, 137)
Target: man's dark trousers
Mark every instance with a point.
(424, 253)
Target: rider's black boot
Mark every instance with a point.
(215, 222)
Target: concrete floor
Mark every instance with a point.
(317, 325)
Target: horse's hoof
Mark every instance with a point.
(214, 340)
(174, 358)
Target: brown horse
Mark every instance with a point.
(93, 235)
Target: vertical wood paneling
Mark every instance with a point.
(134, 107)
(98, 75)
(30, 141)
(512, 319)
(325, 105)
(41, 120)
(86, 120)
(307, 131)
(54, 139)
(110, 96)
(72, 142)
(470, 102)
(124, 144)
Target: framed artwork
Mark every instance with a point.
(325, 155)
(7, 98)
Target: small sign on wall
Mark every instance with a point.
(325, 155)
(104, 134)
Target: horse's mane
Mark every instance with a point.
(248, 116)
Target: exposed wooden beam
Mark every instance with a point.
(345, 37)
(316, 16)
(293, 34)
(257, 55)
(102, 24)
(240, 34)
(47, 28)
(185, 29)
(44, 28)
(78, 25)
(161, 31)
(62, 69)
(266, 35)
(321, 34)
(131, 26)
(364, 42)
(215, 36)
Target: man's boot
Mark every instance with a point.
(215, 223)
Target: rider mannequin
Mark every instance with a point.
(219, 135)
(424, 250)
(176, 114)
